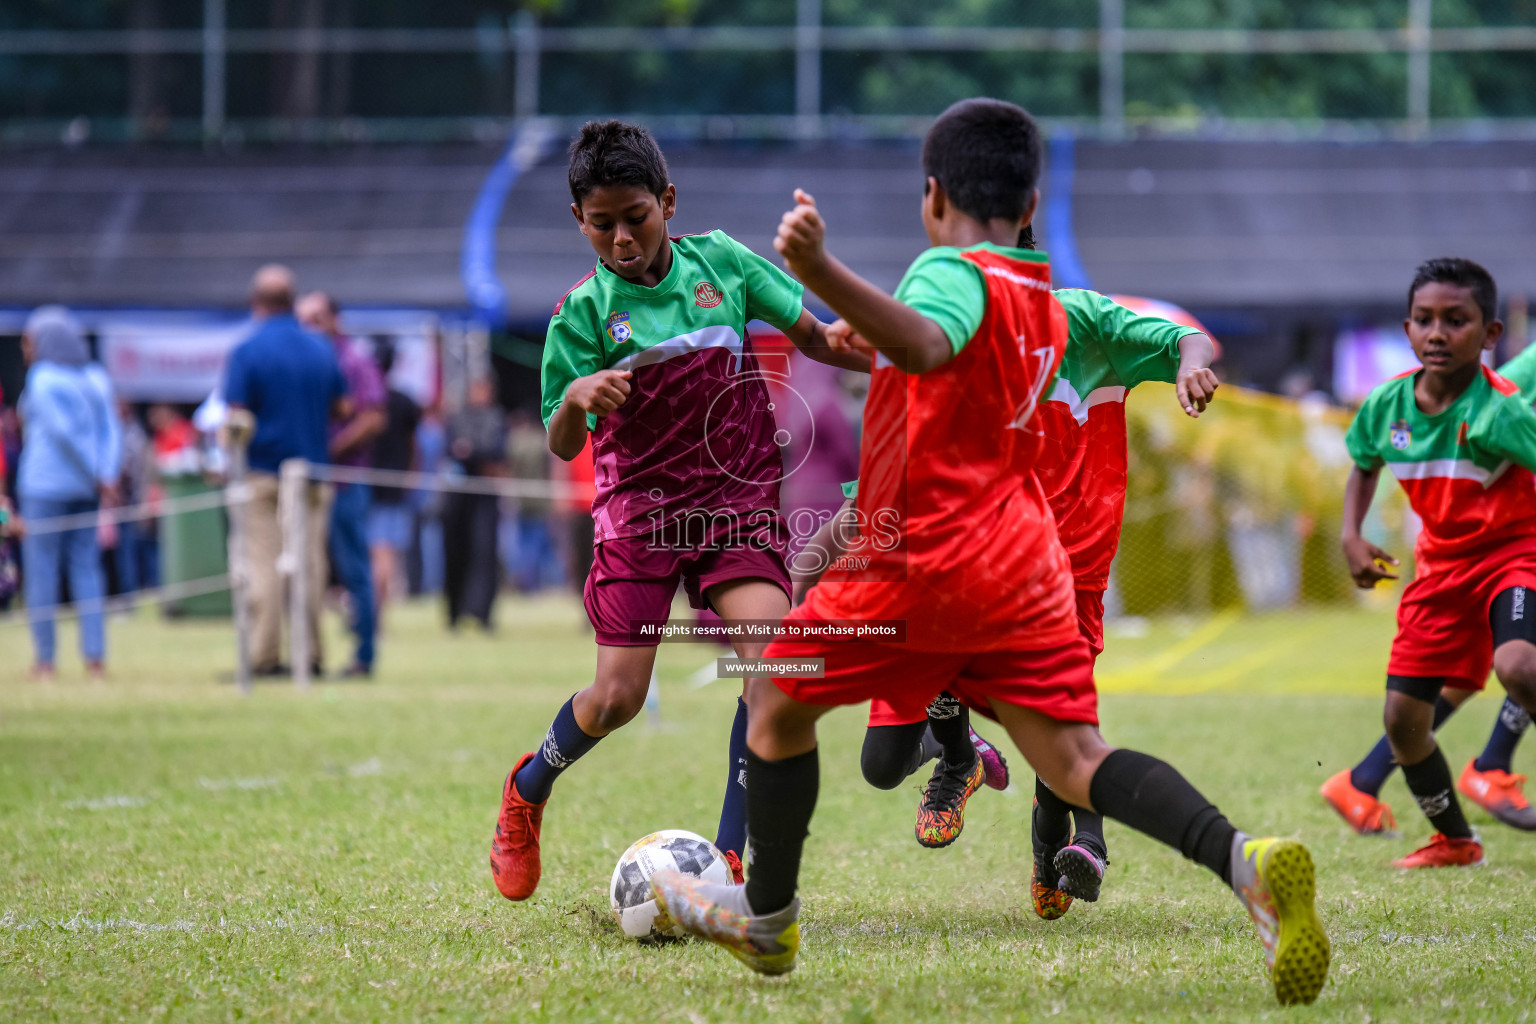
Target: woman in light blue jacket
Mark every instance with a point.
(71, 455)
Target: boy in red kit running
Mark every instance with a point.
(973, 566)
(1462, 442)
(649, 355)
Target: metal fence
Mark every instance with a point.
(522, 40)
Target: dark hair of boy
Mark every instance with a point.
(614, 153)
(1462, 274)
(985, 154)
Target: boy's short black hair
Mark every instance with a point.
(985, 154)
(1463, 274)
(615, 153)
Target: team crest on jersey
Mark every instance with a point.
(707, 295)
(618, 327)
(1401, 435)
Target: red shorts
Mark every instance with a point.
(633, 580)
(1442, 619)
(1090, 619)
(1057, 682)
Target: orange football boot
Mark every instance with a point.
(1500, 794)
(1365, 814)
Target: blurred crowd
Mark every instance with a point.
(71, 448)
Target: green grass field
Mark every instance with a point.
(173, 851)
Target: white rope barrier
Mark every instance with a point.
(134, 513)
(503, 486)
(121, 602)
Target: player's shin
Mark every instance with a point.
(1499, 754)
(1373, 770)
(781, 797)
(563, 744)
(1152, 797)
(731, 836)
(1429, 780)
(950, 722)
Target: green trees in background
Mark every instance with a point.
(147, 87)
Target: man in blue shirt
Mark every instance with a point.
(292, 384)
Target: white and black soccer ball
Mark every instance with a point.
(634, 906)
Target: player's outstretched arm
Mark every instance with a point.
(1367, 563)
(827, 343)
(825, 547)
(1196, 383)
(599, 393)
(914, 343)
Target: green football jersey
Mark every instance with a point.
(1466, 470)
(696, 435)
(1522, 371)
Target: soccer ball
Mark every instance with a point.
(634, 907)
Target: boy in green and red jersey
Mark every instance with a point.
(963, 550)
(649, 355)
(1488, 779)
(1462, 442)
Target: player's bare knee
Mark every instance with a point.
(1410, 728)
(608, 707)
(1515, 665)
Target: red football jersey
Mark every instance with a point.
(956, 537)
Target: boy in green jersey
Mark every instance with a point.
(1462, 442)
(1488, 780)
(649, 354)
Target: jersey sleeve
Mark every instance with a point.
(568, 354)
(772, 296)
(1359, 441)
(1521, 371)
(948, 289)
(1140, 348)
(1512, 432)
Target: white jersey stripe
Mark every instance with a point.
(717, 336)
(1447, 469)
(1067, 395)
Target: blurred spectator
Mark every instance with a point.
(291, 382)
(390, 518)
(431, 450)
(70, 460)
(352, 441)
(136, 567)
(477, 442)
(10, 447)
(535, 563)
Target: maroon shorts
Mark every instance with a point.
(900, 683)
(1442, 619)
(634, 579)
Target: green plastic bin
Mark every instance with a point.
(193, 546)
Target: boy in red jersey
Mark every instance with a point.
(1488, 779)
(649, 355)
(1082, 468)
(969, 560)
(1462, 442)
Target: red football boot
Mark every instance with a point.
(515, 848)
(1444, 852)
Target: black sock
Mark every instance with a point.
(1152, 797)
(892, 752)
(1430, 783)
(950, 721)
(781, 796)
(1052, 818)
(1088, 831)
(562, 746)
(1500, 751)
(1371, 773)
(931, 750)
